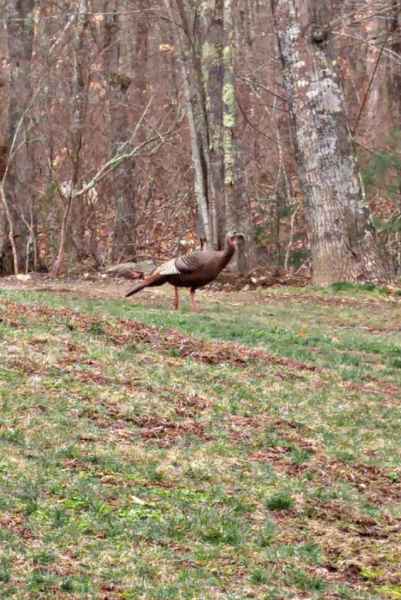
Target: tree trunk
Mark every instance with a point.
(188, 56)
(119, 82)
(237, 206)
(205, 41)
(79, 103)
(342, 237)
(17, 192)
(210, 52)
(394, 76)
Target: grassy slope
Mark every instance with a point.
(139, 462)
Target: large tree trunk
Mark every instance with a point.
(342, 238)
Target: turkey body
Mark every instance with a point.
(191, 271)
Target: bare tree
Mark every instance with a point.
(341, 234)
(182, 13)
(79, 109)
(237, 203)
(119, 79)
(394, 40)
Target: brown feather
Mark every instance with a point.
(193, 270)
(152, 280)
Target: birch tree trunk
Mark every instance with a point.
(342, 237)
(119, 81)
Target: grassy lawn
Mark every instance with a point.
(249, 451)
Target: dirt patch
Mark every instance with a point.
(16, 525)
(167, 433)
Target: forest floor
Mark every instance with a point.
(248, 451)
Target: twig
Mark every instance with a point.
(366, 96)
(291, 239)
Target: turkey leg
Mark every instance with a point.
(194, 306)
(176, 298)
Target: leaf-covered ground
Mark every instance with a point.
(249, 451)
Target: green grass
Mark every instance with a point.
(144, 455)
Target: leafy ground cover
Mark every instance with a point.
(250, 451)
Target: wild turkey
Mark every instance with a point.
(192, 271)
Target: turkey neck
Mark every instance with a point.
(226, 255)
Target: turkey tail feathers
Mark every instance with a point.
(149, 281)
(137, 288)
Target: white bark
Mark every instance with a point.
(341, 235)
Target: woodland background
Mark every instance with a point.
(99, 163)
